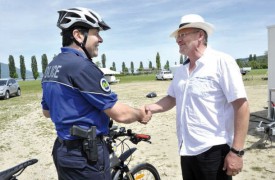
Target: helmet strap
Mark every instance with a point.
(82, 45)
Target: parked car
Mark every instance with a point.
(9, 87)
(164, 75)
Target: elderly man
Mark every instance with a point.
(211, 105)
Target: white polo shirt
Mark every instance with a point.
(205, 115)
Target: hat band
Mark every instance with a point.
(183, 24)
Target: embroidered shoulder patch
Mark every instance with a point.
(105, 85)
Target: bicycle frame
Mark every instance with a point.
(117, 164)
(119, 169)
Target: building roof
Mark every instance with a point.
(107, 71)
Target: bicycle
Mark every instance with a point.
(14, 172)
(267, 127)
(120, 170)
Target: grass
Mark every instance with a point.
(136, 78)
(260, 72)
(250, 79)
(31, 86)
(16, 107)
(255, 77)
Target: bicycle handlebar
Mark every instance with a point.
(134, 138)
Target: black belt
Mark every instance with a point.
(77, 143)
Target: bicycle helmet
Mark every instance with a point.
(83, 17)
(80, 17)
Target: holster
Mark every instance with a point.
(89, 141)
(90, 148)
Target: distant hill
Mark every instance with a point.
(5, 72)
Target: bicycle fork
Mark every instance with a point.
(117, 163)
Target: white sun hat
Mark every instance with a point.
(194, 21)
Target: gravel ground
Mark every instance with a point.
(32, 136)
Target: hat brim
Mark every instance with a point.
(207, 27)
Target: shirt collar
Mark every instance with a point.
(72, 50)
(204, 58)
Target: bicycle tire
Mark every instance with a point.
(145, 171)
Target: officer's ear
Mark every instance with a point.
(78, 35)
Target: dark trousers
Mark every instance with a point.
(206, 166)
(71, 163)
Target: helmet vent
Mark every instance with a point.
(90, 19)
(75, 15)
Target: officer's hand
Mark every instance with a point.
(146, 115)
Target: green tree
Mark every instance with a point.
(113, 66)
(254, 57)
(132, 67)
(239, 62)
(124, 68)
(34, 68)
(103, 60)
(167, 66)
(158, 64)
(12, 68)
(98, 64)
(181, 59)
(44, 63)
(250, 58)
(265, 60)
(141, 66)
(22, 67)
(150, 65)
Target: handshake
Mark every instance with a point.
(145, 114)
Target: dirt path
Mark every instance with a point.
(32, 136)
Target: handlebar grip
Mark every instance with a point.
(143, 136)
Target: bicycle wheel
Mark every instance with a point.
(145, 171)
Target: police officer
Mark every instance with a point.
(75, 93)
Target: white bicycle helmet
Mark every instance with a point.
(83, 17)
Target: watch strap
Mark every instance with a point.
(240, 153)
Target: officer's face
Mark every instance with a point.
(93, 41)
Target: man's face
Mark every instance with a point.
(187, 40)
(93, 41)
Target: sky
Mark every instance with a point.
(139, 28)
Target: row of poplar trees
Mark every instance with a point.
(126, 70)
(35, 73)
(44, 61)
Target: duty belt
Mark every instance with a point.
(77, 143)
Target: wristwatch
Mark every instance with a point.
(239, 153)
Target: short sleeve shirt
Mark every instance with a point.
(205, 115)
(76, 93)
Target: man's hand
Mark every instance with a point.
(146, 115)
(233, 164)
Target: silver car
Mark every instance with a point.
(9, 87)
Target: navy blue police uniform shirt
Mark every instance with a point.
(76, 93)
